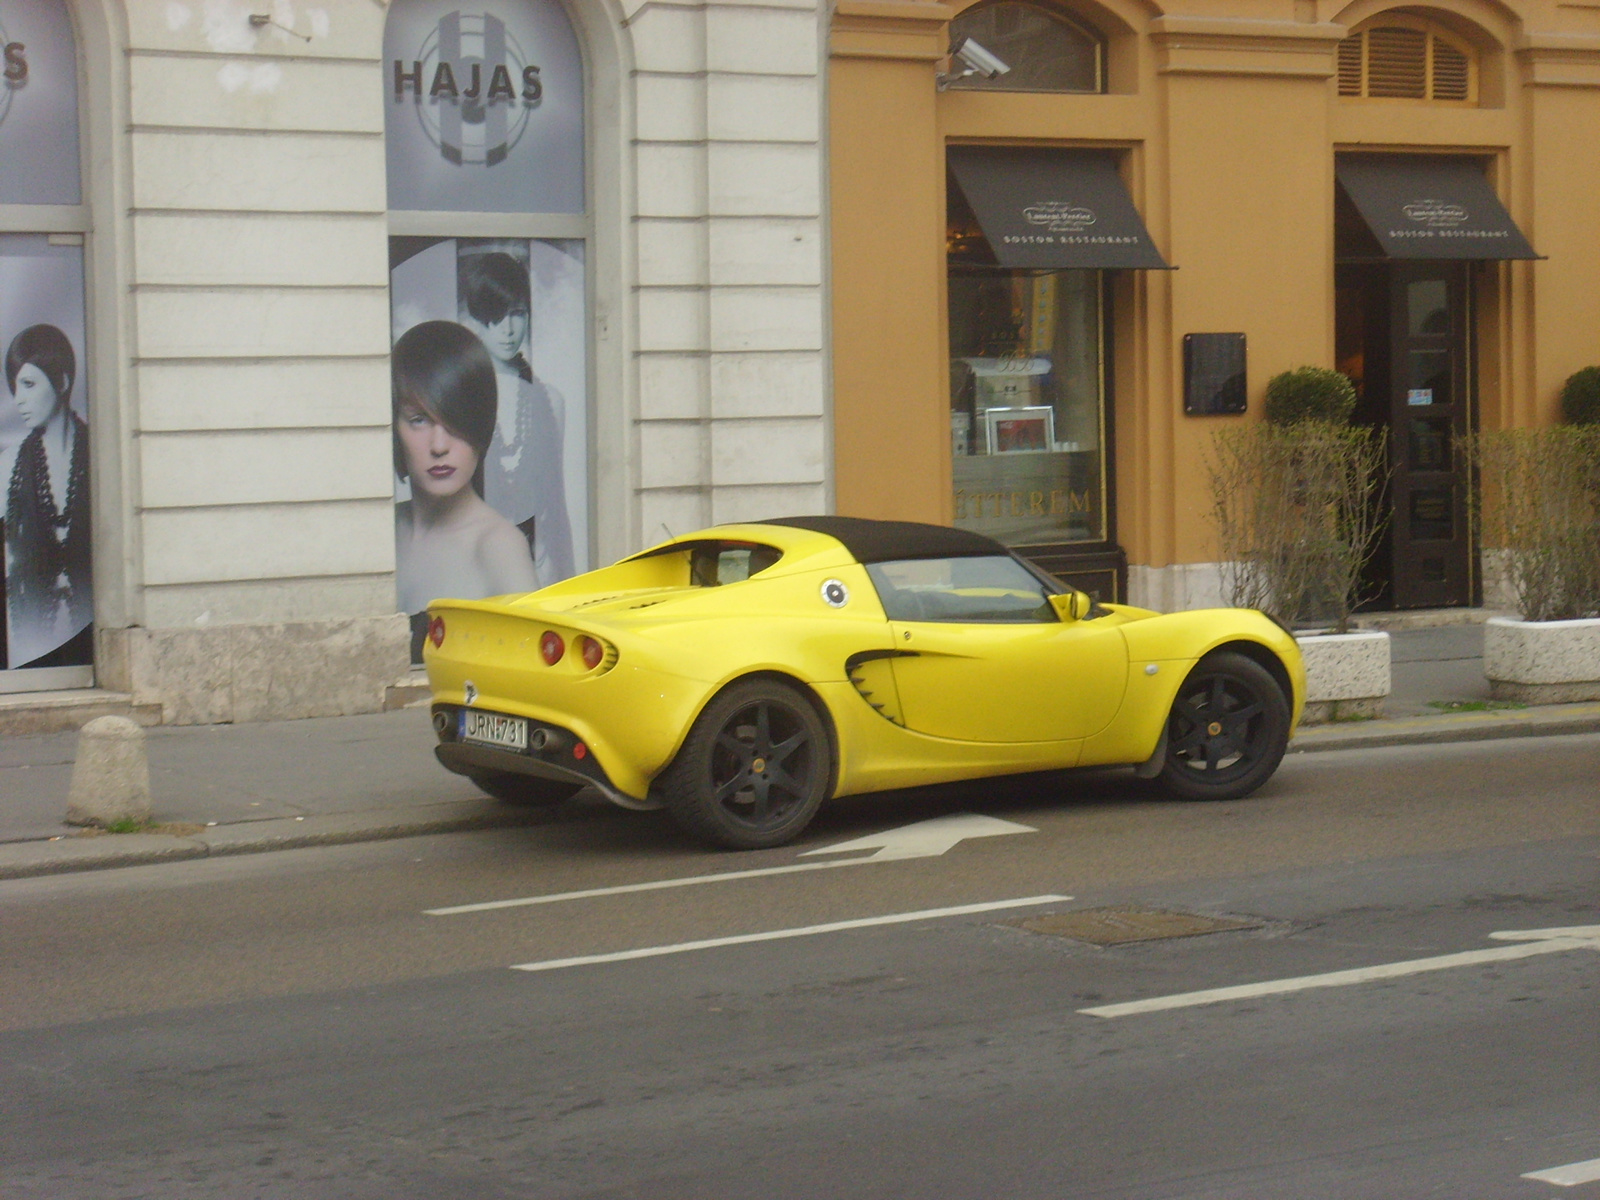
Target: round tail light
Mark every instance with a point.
(551, 647)
(593, 652)
(436, 632)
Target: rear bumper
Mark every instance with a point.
(553, 752)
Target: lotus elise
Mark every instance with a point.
(742, 675)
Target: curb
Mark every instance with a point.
(22, 860)
(29, 859)
(1546, 721)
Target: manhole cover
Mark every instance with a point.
(1113, 926)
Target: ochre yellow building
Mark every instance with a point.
(1407, 193)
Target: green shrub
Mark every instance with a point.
(1540, 506)
(1294, 522)
(1310, 394)
(1580, 397)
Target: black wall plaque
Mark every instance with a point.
(1213, 373)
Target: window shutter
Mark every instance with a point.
(1405, 62)
(1397, 63)
(1350, 69)
(1451, 75)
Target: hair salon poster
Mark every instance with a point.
(44, 455)
(46, 590)
(491, 436)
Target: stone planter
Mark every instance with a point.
(1542, 662)
(1347, 675)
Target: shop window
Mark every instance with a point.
(46, 584)
(488, 227)
(1027, 395)
(1046, 50)
(1407, 59)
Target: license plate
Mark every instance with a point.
(492, 729)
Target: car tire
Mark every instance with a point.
(753, 771)
(1227, 730)
(511, 788)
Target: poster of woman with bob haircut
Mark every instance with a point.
(489, 341)
(44, 458)
(448, 541)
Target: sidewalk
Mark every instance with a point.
(238, 789)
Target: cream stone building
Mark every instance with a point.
(240, 214)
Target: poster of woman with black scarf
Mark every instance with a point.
(44, 456)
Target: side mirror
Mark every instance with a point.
(1072, 606)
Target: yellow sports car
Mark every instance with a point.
(744, 674)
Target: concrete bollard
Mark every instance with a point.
(111, 777)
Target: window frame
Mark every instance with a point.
(1434, 33)
(1054, 12)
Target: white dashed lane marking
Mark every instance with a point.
(1570, 1175)
(774, 935)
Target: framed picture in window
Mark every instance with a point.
(1027, 430)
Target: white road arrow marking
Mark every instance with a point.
(925, 839)
(773, 935)
(1533, 941)
(1570, 1175)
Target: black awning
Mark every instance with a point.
(1048, 208)
(1430, 206)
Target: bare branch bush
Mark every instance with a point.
(1540, 504)
(1294, 515)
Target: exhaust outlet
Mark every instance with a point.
(441, 723)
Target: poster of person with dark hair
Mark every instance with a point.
(490, 455)
(44, 456)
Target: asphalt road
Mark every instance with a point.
(301, 1024)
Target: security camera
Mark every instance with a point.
(977, 60)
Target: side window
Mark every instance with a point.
(986, 590)
(714, 564)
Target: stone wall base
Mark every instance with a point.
(1544, 693)
(1322, 712)
(234, 673)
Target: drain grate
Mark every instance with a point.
(1114, 926)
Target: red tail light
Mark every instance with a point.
(436, 632)
(593, 652)
(551, 647)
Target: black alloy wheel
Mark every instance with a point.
(754, 769)
(1227, 731)
(511, 788)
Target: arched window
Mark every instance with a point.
(1046, 50)
(46, 407)
(1406, 58)
(488, 225)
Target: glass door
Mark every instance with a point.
(1429, 414)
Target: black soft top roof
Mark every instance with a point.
(888, 541)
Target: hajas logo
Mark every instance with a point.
(473, 87)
